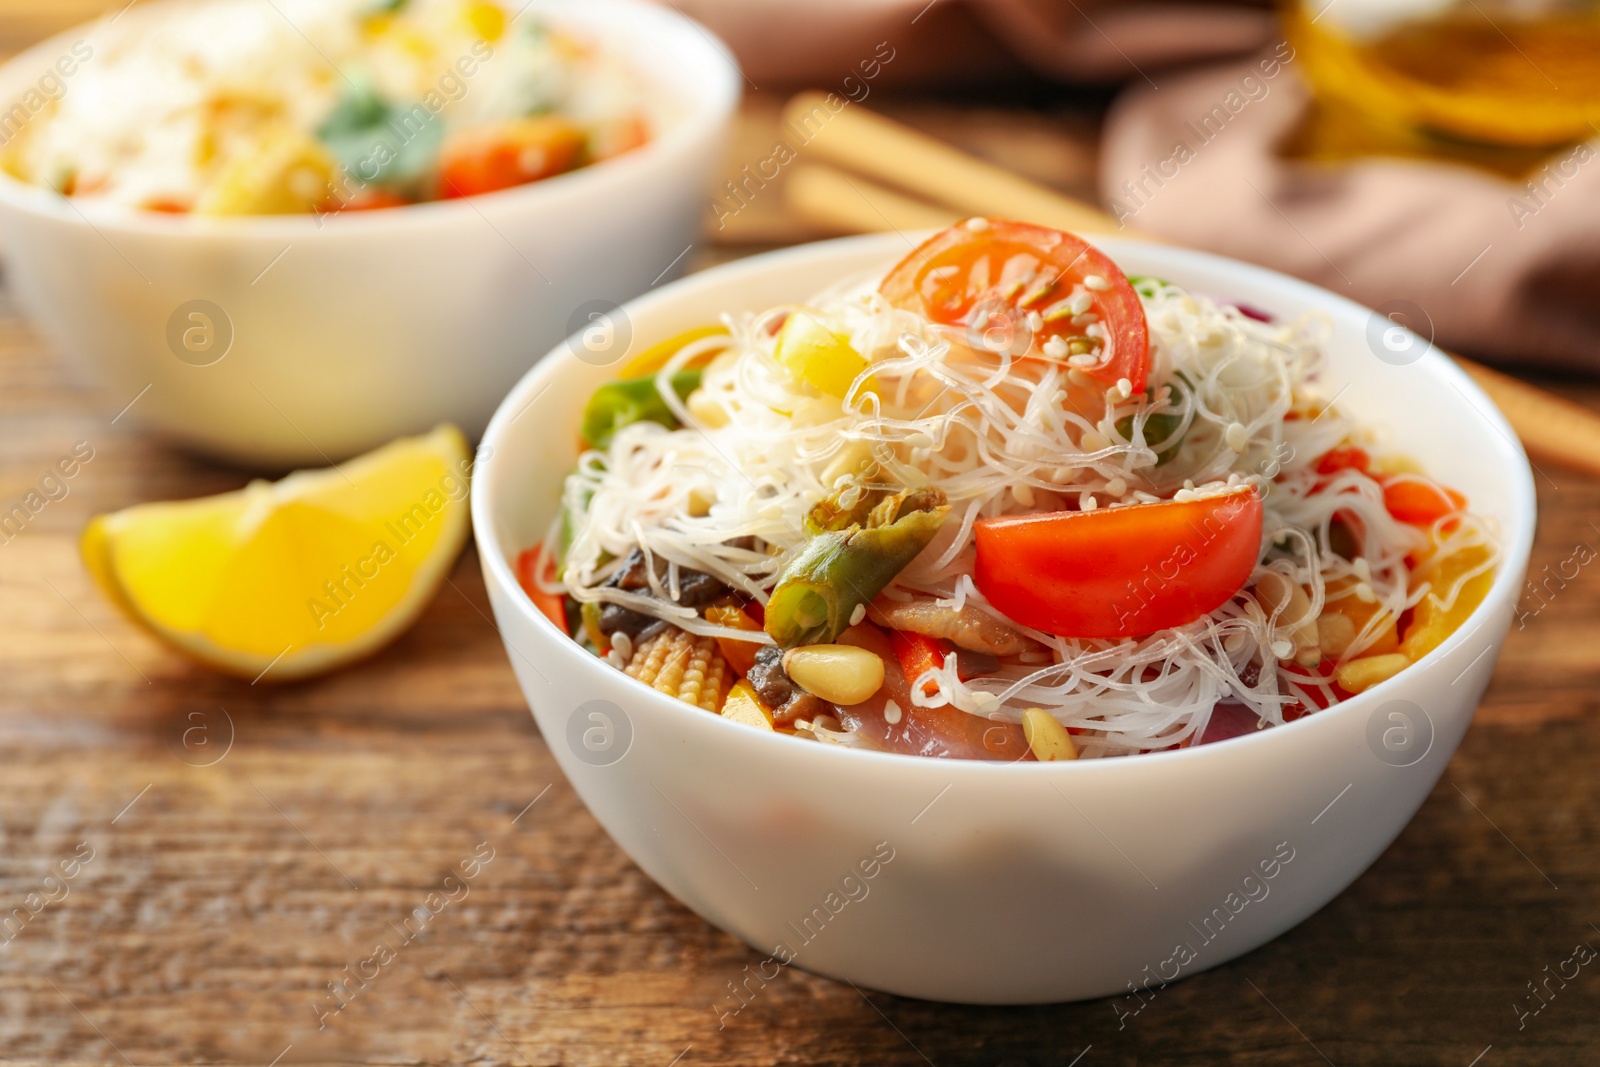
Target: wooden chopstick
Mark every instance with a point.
(853, 204)
(1550, 427)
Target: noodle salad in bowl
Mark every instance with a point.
(1004, 502)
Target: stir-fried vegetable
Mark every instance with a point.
(1120, 572)
(1103, 585)
(489, 159)
(817, 356)
(623, 403)
(530, 564)
(847, 562)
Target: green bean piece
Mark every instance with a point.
(630, 400)
(839, 570)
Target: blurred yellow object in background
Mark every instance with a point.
(294, 577)
(1500, 82)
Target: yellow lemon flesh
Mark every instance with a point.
(299, 576)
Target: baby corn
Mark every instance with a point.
(682, 665)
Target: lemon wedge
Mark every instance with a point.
(283, 580)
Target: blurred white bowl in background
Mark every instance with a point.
(331, 336)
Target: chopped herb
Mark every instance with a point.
(379, 143)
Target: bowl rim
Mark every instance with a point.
(706, 111)
(1516, 541)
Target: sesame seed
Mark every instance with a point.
(1084, 359)
(1035, 321)
(976, 225)
(1055, 348)
(1087, 502)
(857, 615)
(1024, 494)
(1097, 283)
(891, 711)
(1117, 487)
(1079, 302)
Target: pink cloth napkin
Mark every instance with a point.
(1497, 269)
(816, 42)
(1500, 270)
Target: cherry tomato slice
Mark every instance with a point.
(1003, 270)
(1345, 457)
(1119, 572)
(488, 159)
(917, 655)
(529, 565)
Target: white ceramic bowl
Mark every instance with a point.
(351, 330)
(1017, 883)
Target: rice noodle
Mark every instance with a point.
(1249, 412)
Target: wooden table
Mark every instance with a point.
(250, 843)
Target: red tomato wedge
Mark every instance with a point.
(529, 564)
(488, 159)
(917, 655)
(1015, 268)
(1119, 572)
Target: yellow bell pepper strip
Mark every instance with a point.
(655, 357)
(819, 357)
(744, 705)
(1431, 622)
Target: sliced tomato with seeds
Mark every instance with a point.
(966, 274)
(532, 565)
(1119, 572)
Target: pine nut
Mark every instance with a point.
(852, 460)
(1335, 634)
(1047, 737)
(1362, 674)
(706, 409)
(1288, 599)
(839, 674)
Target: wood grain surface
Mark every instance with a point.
(249, 844)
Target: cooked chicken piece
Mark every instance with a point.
(970, 628)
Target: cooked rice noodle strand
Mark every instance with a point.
(1240, 405)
